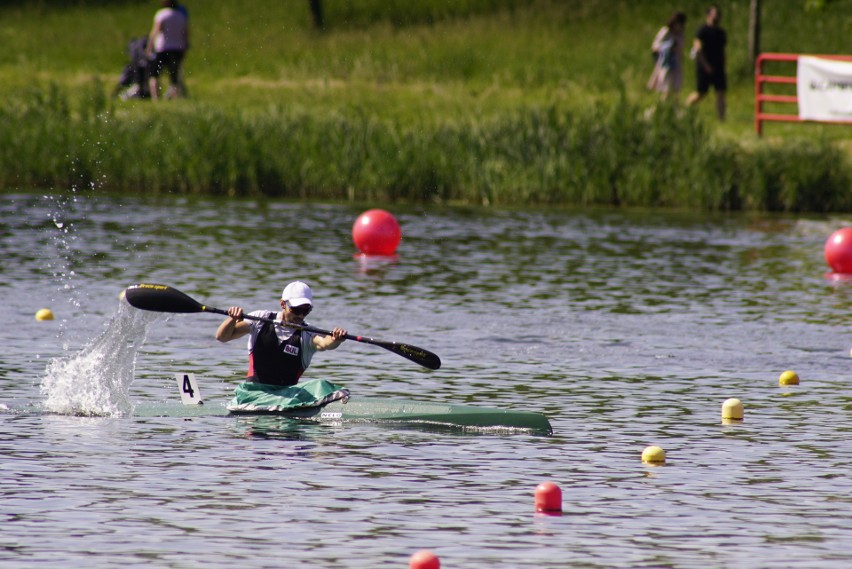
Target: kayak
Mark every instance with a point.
(381, 410)
(376, 410)
(324, 401)
(320, 401)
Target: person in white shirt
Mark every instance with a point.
(167, 45)
(668, 57)
(279, 353)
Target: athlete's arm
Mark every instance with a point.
(338, 335)
(233, 326)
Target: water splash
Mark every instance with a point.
(63, 256)
(96, 381)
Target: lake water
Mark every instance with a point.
(627, 329)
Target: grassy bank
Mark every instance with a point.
(486, 101)
(609, 154)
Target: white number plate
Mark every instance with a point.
(188, 387)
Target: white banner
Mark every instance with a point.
(824, 88)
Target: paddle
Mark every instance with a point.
(163, 298)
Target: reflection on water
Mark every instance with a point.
(626, 328)
(272, 427)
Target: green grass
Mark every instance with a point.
(486, 101)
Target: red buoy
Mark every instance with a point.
(838, 251)
(376, 232)
(548, 497)
(424, 559)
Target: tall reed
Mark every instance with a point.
(618, 153)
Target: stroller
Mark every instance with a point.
(133, 82)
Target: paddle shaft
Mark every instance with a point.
(306, 327)
(413, 353)
(163, 298)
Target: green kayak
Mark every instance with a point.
(321, 401)
(380, 410)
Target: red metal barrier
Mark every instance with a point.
(760, 80)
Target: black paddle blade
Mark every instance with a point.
(160, 298)
(418, 355)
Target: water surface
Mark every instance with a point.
(626, 328)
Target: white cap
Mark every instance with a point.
(297, 293)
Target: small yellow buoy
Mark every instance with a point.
(732, 409)
(653, 455)
(789, 377)
(44, 314)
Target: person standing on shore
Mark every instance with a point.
(708, 49)
(167, 45)
(668, 53)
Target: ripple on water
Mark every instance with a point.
(626, 328)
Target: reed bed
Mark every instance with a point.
(497, 102)
(610, 154)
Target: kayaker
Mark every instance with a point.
(278, 355)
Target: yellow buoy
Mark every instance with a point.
(44, 314)
(653, 455)
(789, 377)
(732, 409)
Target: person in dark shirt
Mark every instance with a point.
(708, 50)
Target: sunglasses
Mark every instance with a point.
(302, 310)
